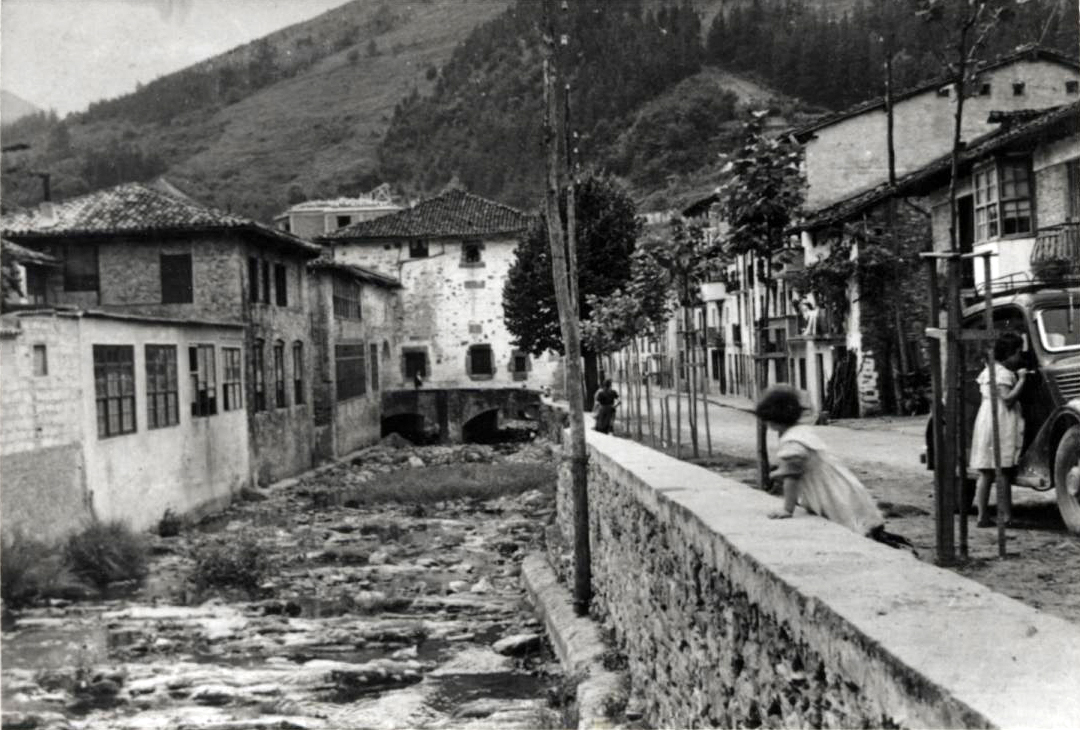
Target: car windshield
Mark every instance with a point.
(1059, 329)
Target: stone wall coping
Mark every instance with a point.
(979, 657)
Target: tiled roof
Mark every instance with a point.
(1055, 122)
(372, 277)
(454, 213)
(133, 208)
(25, 255)
(1030, 52)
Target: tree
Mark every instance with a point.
(760, 200)
(607, 230)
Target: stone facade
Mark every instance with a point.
(344, 425)
(848, 155)
(729, 619)
(59, 469)
(449, 306)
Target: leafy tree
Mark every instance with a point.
(607, 232)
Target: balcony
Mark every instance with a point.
(1056, 254)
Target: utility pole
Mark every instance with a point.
(563, 274)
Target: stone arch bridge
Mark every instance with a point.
(455, 411)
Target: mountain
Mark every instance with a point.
(14, 107)
(296, 114)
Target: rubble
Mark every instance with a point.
(374, 616)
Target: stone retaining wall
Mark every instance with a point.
(730, 619)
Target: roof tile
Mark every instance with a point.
(454, 213)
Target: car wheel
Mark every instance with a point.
(1067, 478)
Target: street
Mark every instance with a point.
(884, 453)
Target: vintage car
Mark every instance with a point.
(1048, 318)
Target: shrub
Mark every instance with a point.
(29, 568)
(456, 481)
(170, 524)
(231, 565)
(106, 552)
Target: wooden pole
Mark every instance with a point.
(568, 323)
(677, 367)
(637, 388)
(941, 478)
(1000, 485)
(690, 325)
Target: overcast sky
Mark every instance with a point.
(63, 54)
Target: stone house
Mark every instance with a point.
(846, 152)
(1018, 195)
(100, 420)
(136, 249)
(451, 254)
(32, 269)
(355, 326)
(314, 218)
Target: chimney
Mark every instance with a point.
(47, 214)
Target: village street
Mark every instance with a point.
(884, 453)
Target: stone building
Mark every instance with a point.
(314, 218)
(355, 326)
(451, 254)
(846, 152)
(101, 418)
(138, 250)
(31, 268)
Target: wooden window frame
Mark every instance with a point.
(114, 389)
(281, 285)
(81, 282)
(470, 361)
(347, 298)
(419, 248)
(253, 279)
(373, 353)
(232, 386)
(258, 375)
(298, 373)
(162, 386)
(202, 366)
(40, 354)
(991, 197)
(350, 370)
(279, 374)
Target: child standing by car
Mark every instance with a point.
(814, 477)
(1010, 378)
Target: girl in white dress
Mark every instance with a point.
(814, 477)
(1008, 351)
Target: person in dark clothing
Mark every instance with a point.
(606, 402)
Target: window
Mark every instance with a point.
(480, 362)
(519, 365)
(265, 291)
(943, 92)
(37, 285)
(203, 380)
(176, 278)
(258, 374)
(162, 399)
(230, 382)
(41, 361)
(343, 220)
(114, 389)
(984, 89)
(349, 371)
(279, 374)
(253, 279)
(986, 204)
(418, 249)
(346, 298)
(1018, 89)
(1072, 190)
(1072, 87)
(374, 351)
(1015, 198)
(298, 373)
(80, 267)
(281, 285)
(471, 253)
(415, 363)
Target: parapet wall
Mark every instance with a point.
(729, 619)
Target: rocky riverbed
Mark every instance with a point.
(388, 615)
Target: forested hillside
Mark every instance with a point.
(643, 104)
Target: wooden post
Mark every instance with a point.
(648, 402)
(568, 323)
(676, 366)
(1001, 486)
(941, 478)
(691, 371)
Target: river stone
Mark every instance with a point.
(214, 695)
(458, 586)
(517, 644)
(415, 462)
(482, 586)
(379, 557)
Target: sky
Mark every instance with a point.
(64, 54)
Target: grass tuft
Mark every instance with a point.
(227, 564)
(106, 552)
(29, 568)
(456, 481)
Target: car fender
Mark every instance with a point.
(1040, 454)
